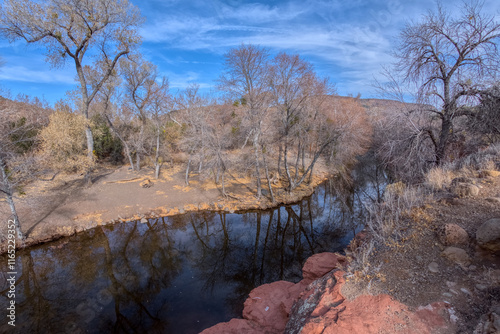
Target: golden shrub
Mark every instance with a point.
(64, 142)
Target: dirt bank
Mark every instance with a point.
(49, 210)
(435, 255)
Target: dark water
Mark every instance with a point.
(178, 274)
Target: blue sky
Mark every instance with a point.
(347, 41)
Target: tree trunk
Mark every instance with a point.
(10, 200)
(138, 161)
(257, 168)
(285, 162)
(129, 155)
(446, 124)
(267, 177)
(125, 144)
(90, 153)
(157, 155)
(303, 157)
(297, 160)
(200, 165)
(187, 171)
(223, 184)
(280, 151)
(444, 137)
(85, 111)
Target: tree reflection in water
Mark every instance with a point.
(178, 274)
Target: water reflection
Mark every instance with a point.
(177, 274)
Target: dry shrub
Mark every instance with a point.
(486, 159)
(63, 142)
(439, 178)
(389, 225)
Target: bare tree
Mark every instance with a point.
(161, 105)
(245, 77)
(295, 88)
(195, 117)
(450, 60)
(106, 103)
(148, 96)
(20, 123)
(102, 29)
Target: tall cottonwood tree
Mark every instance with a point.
(245, 78)
(77, 29)
(297, 95)
(449, 59)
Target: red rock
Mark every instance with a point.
(358, 240)
(269, 305)
(330, 313)
(235, 326)
(435, 315)
(319, 264)
(376, 314)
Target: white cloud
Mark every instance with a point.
(23, 74)
(183, 80)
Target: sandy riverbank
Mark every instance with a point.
(53, 209)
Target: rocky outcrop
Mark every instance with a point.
(323, 309)
(268, 306)
(319, 264)
(311, 307)
(452, 234)
(488, 235)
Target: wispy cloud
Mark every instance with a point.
(183, 80)
(23, 74)
(348, 41)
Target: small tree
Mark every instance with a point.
(20, 123)
(102, 29)
(148, 93)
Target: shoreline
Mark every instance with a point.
(87, 220)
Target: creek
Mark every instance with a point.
(179, 274)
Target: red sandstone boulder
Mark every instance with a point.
(269, 305)
(325, 311)
(319, 264)
(234, 326)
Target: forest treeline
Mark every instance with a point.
(269, 117)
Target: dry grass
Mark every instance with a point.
(388, 227)
(439, 178)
